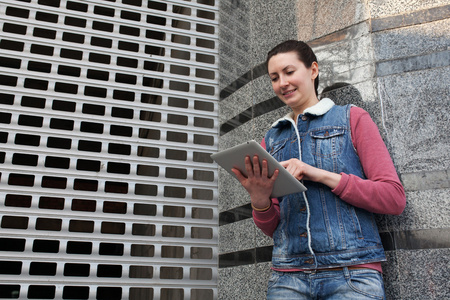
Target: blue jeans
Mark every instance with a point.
(356, 284)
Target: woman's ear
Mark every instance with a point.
(314, 70)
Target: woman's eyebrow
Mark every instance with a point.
(284, 69)
(288, 66)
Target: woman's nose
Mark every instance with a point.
(283, 81)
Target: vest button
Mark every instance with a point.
(326, 133)
(304, 234)
(303, 208)
(309, 261)
(304, 118)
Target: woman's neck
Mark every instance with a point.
(300, 109)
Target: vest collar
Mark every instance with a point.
(318, 109)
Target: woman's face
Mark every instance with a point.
(292, 81)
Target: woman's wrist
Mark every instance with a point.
(261, 209)
(330, 179)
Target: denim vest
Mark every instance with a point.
(317, 229)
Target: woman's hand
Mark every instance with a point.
(258, 183)
(303, 171)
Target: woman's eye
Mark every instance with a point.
(273, 79)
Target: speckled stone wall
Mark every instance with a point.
(389, 57)
(410, 45)
(248, 29)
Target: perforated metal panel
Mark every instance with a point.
(108, 115)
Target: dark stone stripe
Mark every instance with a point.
(246, 257)
(414, 63)
(235, 215)
(416, 239)
(238, 258)
(413, 18)
(256, 72)
(251, 112)
(398, 240)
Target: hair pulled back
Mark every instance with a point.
(304, 53)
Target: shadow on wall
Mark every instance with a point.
(343, 93)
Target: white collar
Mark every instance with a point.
(318, 109)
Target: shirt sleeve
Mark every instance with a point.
(382, 191)
(268, 220)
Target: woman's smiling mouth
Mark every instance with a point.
(288, 93)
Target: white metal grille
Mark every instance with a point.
(108, 114)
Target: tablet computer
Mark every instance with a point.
(234, 157)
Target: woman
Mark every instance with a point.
(326, 243)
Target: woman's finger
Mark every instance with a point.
(284, 164)
(265, 169)
(248, 166)
(256, 167)
(275, 175)
(239, 175)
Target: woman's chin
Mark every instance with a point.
(290, 101)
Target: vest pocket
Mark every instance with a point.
(327, 142)
(356, 223)
(275, 149)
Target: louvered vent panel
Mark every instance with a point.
(108, 115)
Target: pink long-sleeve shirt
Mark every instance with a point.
(382, 191)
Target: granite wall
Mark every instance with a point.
(391, 58)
